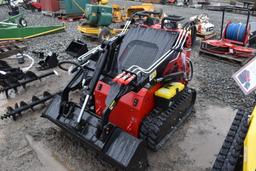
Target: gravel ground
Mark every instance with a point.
(193, 147)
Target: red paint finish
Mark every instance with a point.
(178, 65)
(234, 49)
(171, 1)
(50, 5)
(133, 107)
(199, 28)
(130, 110)
(36, 5)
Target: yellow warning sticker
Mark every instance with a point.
(152, 75)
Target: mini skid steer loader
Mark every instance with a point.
(134, 93)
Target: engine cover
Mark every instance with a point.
(130, 110)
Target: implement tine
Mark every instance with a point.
(24, 86)
(9, 110)
(6, 94)
(24, 105)
(35, 99)
(10, 113)
(47, 94)
(30, 75)
(13, 83)
(16, 108)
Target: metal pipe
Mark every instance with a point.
(222, 23)
(26, 81)
(247, 25)
(82, 109)
(94, 50)
(167, 53)
(158, 62)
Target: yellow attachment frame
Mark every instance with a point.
(95, 31)
(89, 30)
(118, 15)
(249, 163)
(104, 2)
(136, 8)
(170, 91)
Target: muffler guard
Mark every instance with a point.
(118, 147)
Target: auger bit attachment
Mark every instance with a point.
(13, 83)
(16, 112)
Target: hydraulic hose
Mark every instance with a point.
(191, 70)
(70, 62)
(236, 31)
(31, 64)
(25, 69)
(178, 44)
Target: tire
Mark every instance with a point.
(23, 22)
(105, 34)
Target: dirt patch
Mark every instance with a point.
(44, 155)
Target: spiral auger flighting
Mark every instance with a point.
(16, 111)
(13, 83)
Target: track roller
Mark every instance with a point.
(160, 124)
(232, 148)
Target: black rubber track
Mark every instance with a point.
(229, 157)
(159, 124)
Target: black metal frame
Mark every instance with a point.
(114, 144)
(23, 106)
(118, 147)
(29, 77)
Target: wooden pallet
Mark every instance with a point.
(2, 43)
(7, 50)
(65, 18)
(50, 13)
(206, 37)
(229, 58)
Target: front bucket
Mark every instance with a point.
(76, 48)
(118, 147)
